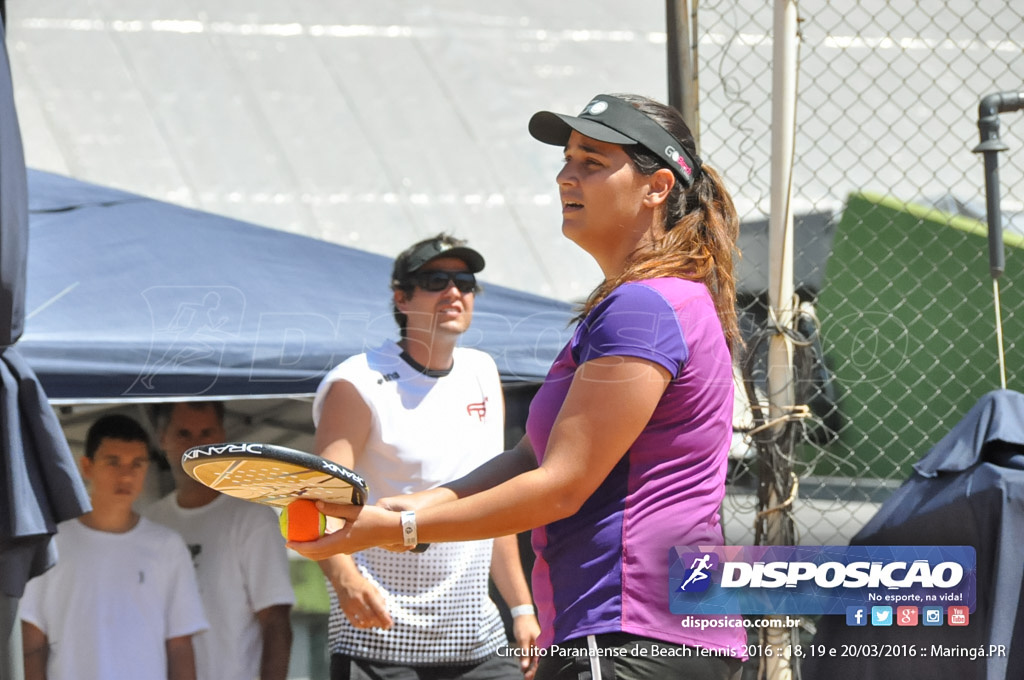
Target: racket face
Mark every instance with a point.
(272, 475)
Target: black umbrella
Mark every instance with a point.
(39, 483)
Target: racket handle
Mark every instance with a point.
(420, 547)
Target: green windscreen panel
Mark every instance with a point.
(908, 326)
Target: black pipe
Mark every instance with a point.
(988, 125)
(675, 24)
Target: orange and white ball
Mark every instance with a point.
(301, 521)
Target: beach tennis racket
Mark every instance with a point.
(274, 475)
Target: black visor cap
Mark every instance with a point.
(615, 121)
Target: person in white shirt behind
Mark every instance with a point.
(122, 601)
(239, 556)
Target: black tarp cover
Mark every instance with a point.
(968, 490)
(39, 483)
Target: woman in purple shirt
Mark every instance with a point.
(627, 440)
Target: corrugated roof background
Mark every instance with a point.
(370, 124)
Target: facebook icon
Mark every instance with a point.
(856, 616)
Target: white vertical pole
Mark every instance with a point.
(780, 276)
(780, 222)
(11, 667)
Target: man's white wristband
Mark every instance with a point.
(522, 610)
(409, 537)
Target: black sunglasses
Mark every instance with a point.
(439, 280)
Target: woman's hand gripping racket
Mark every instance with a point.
(278, 476)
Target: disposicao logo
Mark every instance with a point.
(819, 579)
(698, 576)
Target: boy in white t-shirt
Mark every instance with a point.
(122, 601)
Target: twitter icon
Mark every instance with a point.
(881, 616)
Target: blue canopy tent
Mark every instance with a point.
(131, 298)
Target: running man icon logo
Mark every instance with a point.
(698, 575)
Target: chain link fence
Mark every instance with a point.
(895, 338)
(897, 331)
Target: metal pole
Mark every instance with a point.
(780, 223)
(988, 125)
(11, 666)
(780, 287)
(681, 50)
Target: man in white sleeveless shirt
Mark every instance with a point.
(410, 415)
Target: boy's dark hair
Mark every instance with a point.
(117, 426)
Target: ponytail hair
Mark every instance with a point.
(700, 229)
